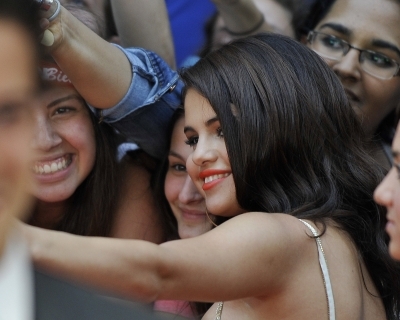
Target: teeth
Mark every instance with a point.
(215, 177)
(52, 167)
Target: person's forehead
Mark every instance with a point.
(369, 17)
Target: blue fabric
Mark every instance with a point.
(187, 19)
(143, 115)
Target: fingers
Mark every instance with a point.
(47, 39)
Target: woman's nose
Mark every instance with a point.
(203, 153)
(189, 192)
(383, 194)
(45, 137)
(349, 66)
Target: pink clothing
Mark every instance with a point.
(179, 307)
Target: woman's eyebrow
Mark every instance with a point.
(337, 27)
(207, 124)
(211, 121)
(385, 45)
(69, 97)
(188, 128)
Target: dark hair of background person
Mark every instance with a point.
(169, 222)
(313, 163)
(317, 12)
(298, 9)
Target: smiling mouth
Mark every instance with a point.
(215, 177)
(50, 167)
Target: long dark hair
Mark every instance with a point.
(295, 145)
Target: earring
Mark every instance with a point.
(209, 218)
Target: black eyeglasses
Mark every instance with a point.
(334, 48)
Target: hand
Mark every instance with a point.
(50, 23)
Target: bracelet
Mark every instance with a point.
(245, 33)
(56, 13)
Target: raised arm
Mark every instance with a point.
(123, 81)
(145, 24)
(246, 256)
(99, 70)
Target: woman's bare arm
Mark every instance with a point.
(145, 24)
(93, 65)
(246, 256)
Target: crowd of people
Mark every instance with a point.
(253, 176)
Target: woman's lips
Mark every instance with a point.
(193, 215)
(212, 177)
(51, 167)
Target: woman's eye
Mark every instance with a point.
(397, 166)
(220, 133)
(192, 141)
(332, 42)
(379, 60)
(62, 110)
(179, 167)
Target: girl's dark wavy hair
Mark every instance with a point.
(317, 12)
(296, 146)
(92, 207)
(168, 219)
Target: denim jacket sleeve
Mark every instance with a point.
(143, 115)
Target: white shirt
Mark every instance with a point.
(16, 281)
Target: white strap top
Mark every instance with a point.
(325, 272)
(325, 276)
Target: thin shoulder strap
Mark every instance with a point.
(325, 272)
